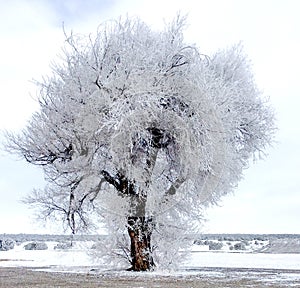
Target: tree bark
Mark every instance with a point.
(140, 231)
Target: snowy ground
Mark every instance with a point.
(253, 261)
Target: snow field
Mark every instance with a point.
(200, 257)
(212, 266)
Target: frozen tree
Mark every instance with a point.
(141, 132)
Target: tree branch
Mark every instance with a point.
(120, 182)
(173, 188)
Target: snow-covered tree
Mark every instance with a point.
(140, 131)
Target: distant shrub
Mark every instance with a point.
(211, 244)
(36, 246)
(259, 238)
(229, 239)
(215, 245)
(199, 242)
(256, 242)
(63, 246)
(7, 244)
(239, 246)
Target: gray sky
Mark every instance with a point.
(268, 199)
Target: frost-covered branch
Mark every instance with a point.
(136, 124)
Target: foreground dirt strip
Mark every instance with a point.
(25, 278)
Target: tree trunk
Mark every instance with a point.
(140, 231)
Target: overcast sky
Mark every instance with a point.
(268, 199)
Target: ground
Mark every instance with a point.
(234, 278)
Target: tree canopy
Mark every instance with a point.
(140, 131)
